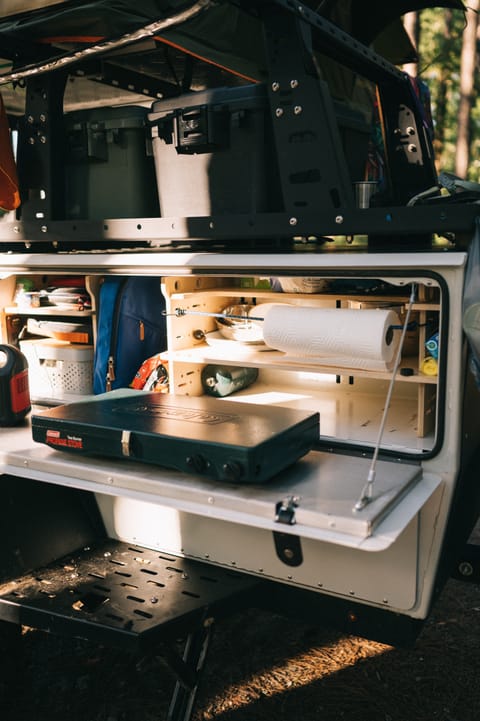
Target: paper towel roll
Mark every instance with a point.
(334, 336)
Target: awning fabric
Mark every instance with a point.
(227, 34)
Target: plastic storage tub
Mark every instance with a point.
(58, 369)
(110, 172)
(213, 152)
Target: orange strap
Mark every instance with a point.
(9, 192)
(205, 60)
(90, 39)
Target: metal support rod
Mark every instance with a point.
(367, 492)
(179, 312)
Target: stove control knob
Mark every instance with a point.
(197, 463)
(232, 471)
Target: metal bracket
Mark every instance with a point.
(408, 149)
(118, 76)
(288, 548)
(40, 156)
(312, 167)
(407, 146)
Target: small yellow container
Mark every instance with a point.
(429, 366)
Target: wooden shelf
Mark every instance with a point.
(47, 310)
(354, 389)
(303, 298)
(235, 354)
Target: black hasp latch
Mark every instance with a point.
(201, 129)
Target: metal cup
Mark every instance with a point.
(364, 191)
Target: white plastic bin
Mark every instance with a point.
(58, 369)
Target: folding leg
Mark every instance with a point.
(188, 670)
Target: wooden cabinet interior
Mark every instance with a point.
(350, 401)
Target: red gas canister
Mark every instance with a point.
(14, 389)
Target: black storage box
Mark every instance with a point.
(110, 171)
(213, 153)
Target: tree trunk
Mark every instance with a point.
(442, 88)
(411, 24)
(467, 73)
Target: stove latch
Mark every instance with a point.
(285, 510)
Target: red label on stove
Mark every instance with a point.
(55, 438)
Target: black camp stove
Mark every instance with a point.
(221, 439)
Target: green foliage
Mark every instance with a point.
(440, 49)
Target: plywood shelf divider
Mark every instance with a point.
(276, 359)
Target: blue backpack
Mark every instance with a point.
(130, 329)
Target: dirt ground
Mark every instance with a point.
(260, 668)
